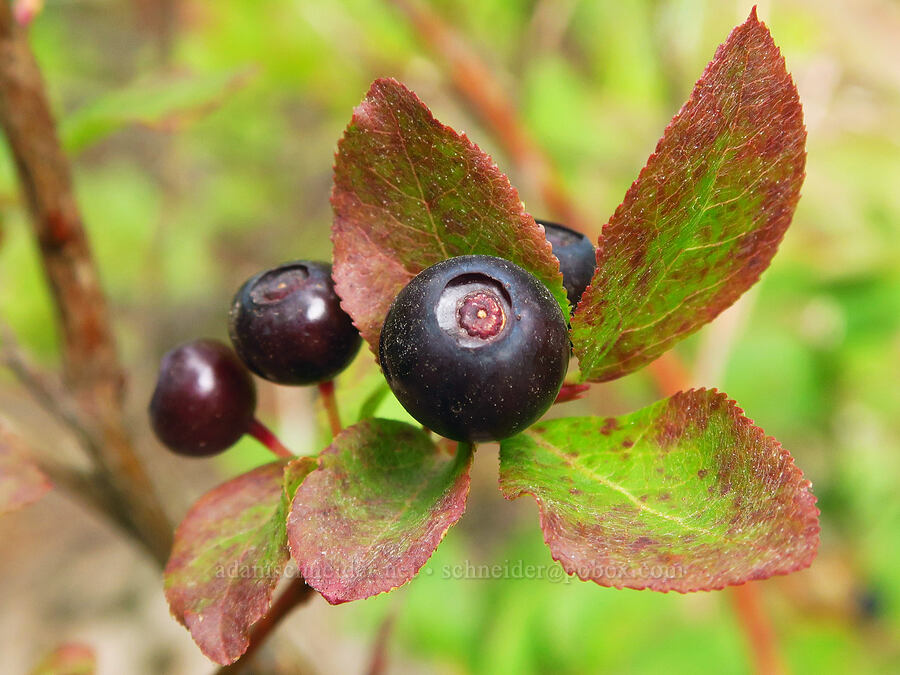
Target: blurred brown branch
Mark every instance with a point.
(758, 629)
(378, 662)
(92, 373)
(480, 89)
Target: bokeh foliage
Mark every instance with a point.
(203, 143)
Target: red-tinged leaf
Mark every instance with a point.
(69, 659)
(372, 514)
(410, 192)
(704, 217)
(684, 495)
(572, 392)
(21, 481)
(229, 553)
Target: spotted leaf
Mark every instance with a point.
(706, 214)
(229, 553)
(683, 495)
(410, 192)
(381, 501)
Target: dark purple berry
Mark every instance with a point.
(576, 255)
(204, 399)
(475, 348)
(288, 326)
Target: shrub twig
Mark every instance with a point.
(92, 373)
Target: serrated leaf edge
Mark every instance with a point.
(803, 485)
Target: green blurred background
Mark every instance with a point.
(202, 136)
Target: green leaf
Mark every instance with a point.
(706, 214)
(372, 514)
(410, 192)
(21, 481)
(229, 553)
(370, 406)
(165, 102)
(684, 495)
(68, 659)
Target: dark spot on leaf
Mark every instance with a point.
(641, 543)
(610, 424)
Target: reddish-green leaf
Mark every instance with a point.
(684, 495)
(229, 553)
(69, 659)
(704, 217)
(410, 192)
(572, 392)
(372, 514)
(21, 481)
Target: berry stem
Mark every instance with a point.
(264, 435)
(326, 390)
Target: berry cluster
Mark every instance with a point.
(286, 325)
(474, 347)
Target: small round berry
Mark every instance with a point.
(204, 399)
(288, 326)
(576, 255)
(475, 348)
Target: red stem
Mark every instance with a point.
(758, 630)
(298, 590)
(326, 389)
(379, 661)
(264, 435)
(296, 593)
(671, 376)
(485, 94)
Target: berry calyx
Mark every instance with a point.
(481, 315)
(287, 325)
(576, 255)
(204, 399)
(475, 348)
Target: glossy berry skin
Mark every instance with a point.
(576, 255)
(475, 348)
(288, 326)
(204, 400)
